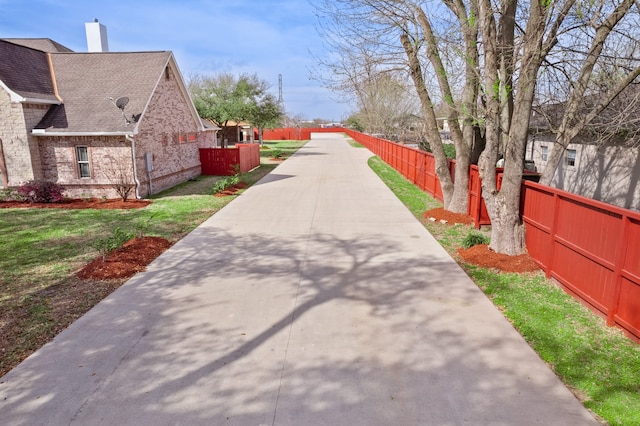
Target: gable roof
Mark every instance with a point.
(25, 74)
(43, 44)
(83, 87)
(88, 84)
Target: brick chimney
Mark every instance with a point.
(96, 37)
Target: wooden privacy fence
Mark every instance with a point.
(591, 248)
(419, 167)
(292, 134)
(223, 161)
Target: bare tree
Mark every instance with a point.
(486, 58)
(441, 59)
(385, 102)
(539, 36)
(118, 172)
(607, 62)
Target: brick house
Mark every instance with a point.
(79, 119)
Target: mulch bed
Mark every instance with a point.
(77, 203)
(451, 218)
(481, 255)
(124, 262)
(231, 190)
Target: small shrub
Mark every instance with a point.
(233, 180)
(41, 191)
(449, 149)
(474, 238)
(143, 226)
(220, 185)
(277, 153)
(224, 183)
(10, 194)
(112, 242)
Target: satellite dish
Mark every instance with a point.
(122, 102)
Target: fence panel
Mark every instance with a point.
(248, 156)
(627, 303)
(592, 249)
(223, 161)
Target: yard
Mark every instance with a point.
(42, 249)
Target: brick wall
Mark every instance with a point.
(170, 134)
(167, 131)
(208, 139)
(21, 152)
(106, 155)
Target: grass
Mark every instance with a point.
(283, 148)
(43, 248)
(598, 363)
(353, 143)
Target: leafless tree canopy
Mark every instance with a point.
(487, 64)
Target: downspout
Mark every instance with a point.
(135, 168)
(3, 168)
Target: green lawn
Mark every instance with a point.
(286, 148)
(598, 363)
(43, 248)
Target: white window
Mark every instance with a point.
(82, 157)
(545, 152)
(570, 157)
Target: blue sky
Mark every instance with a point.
(266, 37)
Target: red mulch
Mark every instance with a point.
(231, 190)
(440, 214)
(481, 255)
(77, 203)
(132, 257)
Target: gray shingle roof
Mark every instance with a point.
(86, 81)
(43, 44)
(25, 71)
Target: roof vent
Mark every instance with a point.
(96, 37)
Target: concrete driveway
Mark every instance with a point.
(314, 298)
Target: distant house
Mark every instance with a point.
(79, 119)
(237, 132)
(606, 171)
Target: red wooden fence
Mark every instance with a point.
(223, 161)
(591, 248)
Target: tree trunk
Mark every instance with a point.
(507, 230)
(459, 201)
(431, 129)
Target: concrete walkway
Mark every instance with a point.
(315, 298)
